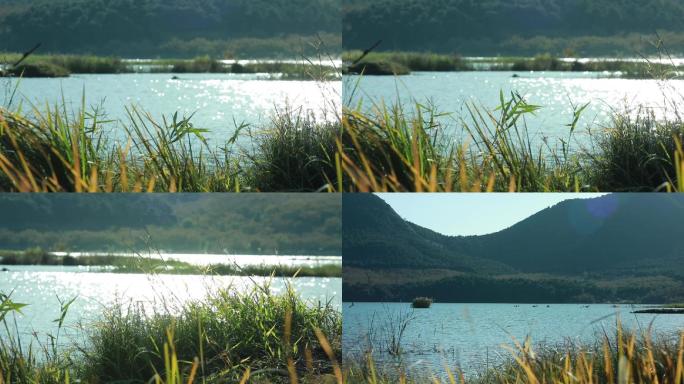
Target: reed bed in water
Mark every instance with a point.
(287, 71)
(622, 357)
(255, 336)
(65, 65)
(406, 62)
(402, 62)
(145, 264)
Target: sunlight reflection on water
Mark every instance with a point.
(555, 92)
(42, 286)
(217, 102)
(209, 259)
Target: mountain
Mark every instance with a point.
(250, 224)
(145, 28)
(513, 27)
(612, 232)
(373, 235)
(610, 248)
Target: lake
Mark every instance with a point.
(204, 259)
(555, 92)
(42, 287)
(471, 335)
(218, 102)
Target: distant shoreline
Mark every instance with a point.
(136, 264)
(405, 62)
(63, 65)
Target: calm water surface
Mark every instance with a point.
(217, 102)
(555, 92)
(42, 287)
(471, 336)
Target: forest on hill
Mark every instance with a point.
(175, 28)
(517, 27)
(618, 247)
(240, 224)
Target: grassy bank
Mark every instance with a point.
(623, 357)
(64, 65)
(392, 149)
(229, 336)
(402, 63)
(59, 150)
(140, 264)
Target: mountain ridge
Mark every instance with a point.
(616, 247)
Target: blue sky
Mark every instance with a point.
(472, 213)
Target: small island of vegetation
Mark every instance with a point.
(421, 302)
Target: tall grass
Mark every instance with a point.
(57, 150)
(33, 361)
(296, 154)
(637, 154)
(623, 357)
(386, 148)
(254, 336)
(389, 148)
(225, 335)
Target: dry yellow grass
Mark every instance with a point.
(622, 359)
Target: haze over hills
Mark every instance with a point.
(247, 224)
(614, 247)
(517, 27)
(169, 27)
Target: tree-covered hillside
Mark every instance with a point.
(618, 247)
(374, 236)
(616, 233)
(262, 224)
(158, 27)
(611, 232)
(524, 27)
